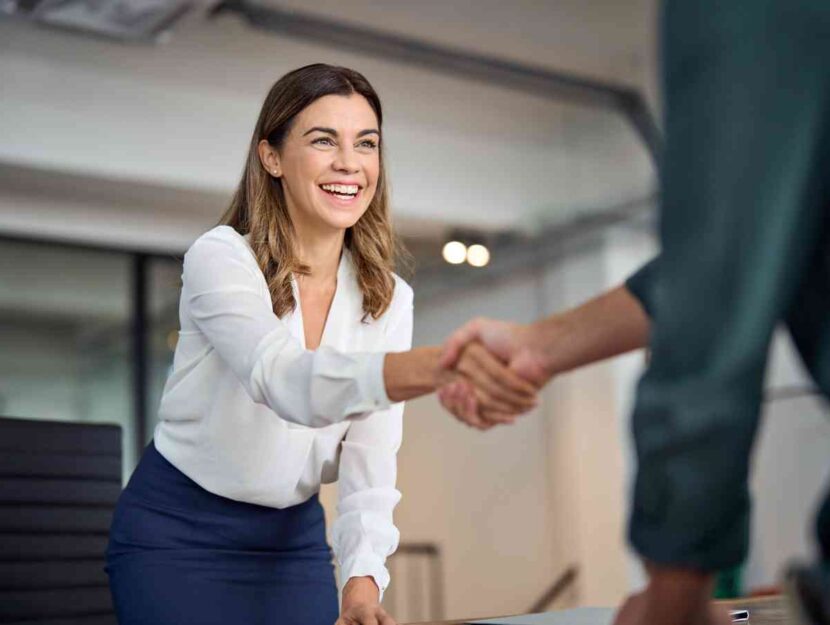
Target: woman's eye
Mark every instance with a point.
(368, 144)
(323, 141)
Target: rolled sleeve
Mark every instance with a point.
(641, 285)
(364, 534)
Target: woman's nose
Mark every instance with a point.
(346, 161)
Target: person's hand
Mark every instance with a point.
(360, 604)
(482, 391)
(636, 610)
(512, 343)
(673, 596)
(365, 614)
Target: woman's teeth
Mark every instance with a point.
(344, 191)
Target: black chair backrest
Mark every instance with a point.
(59, 483)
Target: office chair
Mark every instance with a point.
(59, 483)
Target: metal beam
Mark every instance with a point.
(492, 70)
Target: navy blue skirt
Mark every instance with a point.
(179, 554)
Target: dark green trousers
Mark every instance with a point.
(745, 234)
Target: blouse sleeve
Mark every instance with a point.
(222, 293)
(364, 533)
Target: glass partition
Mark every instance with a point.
(65, 323)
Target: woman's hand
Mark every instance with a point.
(498, 390)
(482, 391)
(365, 614)
(360, 604)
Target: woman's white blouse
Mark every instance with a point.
(248, 413)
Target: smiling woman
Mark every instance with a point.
(319, 127)
(295, 342)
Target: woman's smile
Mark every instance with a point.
(342, 193)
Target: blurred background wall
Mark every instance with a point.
(116, 154)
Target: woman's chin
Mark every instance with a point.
(343, 219)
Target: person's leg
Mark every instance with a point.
(747, 90)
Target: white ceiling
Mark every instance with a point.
(604, 39)
(102, 117)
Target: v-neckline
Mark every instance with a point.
(298, 310)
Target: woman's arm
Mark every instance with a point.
(364, 533)
(226, 298)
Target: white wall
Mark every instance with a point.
(584, 446)
(791, 471)
(483, 498)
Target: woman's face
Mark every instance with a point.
(329, 162)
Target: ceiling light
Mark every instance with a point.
(454, 252)
(478, 255)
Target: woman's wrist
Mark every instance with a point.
(414, 373)
(360, 590)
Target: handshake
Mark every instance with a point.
(490, 372)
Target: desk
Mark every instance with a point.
(762, 611)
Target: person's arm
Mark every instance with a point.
(227, 299)
(608, 325)
(364, 534)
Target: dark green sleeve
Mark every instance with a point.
(641, 283)
(744, 201)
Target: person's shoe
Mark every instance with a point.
(808, 591)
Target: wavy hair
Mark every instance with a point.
(259, 207)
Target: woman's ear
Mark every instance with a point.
(269, 158)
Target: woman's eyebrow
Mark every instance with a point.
(329, 131)
(333, 132)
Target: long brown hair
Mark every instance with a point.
(259, 208)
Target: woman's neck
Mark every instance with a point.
(320, 251)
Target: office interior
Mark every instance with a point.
(529, 128)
